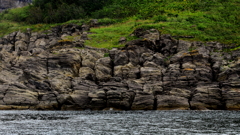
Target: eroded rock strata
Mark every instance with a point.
(46, 71)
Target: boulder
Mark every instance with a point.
(207, 96)
(143, 101)
(87, 73)
(103, 69)
(47, 101)
(20, 96)
(120, 99)
(172, 102)
(151, 73)
(98, 100)
(80, 99)
(231, 97)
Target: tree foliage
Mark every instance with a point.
(56, 11)
(52, 11)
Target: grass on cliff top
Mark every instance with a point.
(7, 27)
(204, 20)
(196, 25)
(108, 36)
(207, 20)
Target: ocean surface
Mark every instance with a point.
(119, 122)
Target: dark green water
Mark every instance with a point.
(119, 122)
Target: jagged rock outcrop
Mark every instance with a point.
(47, 71)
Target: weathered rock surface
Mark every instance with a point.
(156, 72)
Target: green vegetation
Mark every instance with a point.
(106, 54)
(8, 26)
(108, 36)
(205, 20)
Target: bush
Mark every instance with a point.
(192, 19)
(160, 18)
(17, 14)
(115, 11)
(201, 26)
(36, 15)
(62, 13)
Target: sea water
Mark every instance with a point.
(119, 122)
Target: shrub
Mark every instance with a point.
(17, 14)
(62, 13)
(201, 26)
(160, 18)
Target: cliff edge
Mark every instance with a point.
(47, 71)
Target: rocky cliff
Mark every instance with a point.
(47, 71)
(6, 4)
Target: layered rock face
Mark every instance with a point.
(46, 71)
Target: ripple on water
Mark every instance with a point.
(119, 122)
